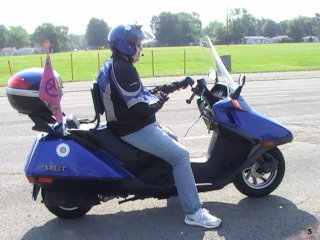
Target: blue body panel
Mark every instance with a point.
(53, 156)
(66, 158)
(249, 121)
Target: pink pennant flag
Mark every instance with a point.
(50, 91)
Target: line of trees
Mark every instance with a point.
(58, 36)
(169, 29)
(240, 23)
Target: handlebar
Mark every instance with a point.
(197, 90)
(201, 90)
(191, 98)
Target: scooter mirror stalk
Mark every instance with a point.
(236, 94)
(242, 80)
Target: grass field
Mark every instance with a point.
(173, 61)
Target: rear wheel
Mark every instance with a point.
(255, 181)
(66, 212)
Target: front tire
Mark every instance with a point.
(254, 182)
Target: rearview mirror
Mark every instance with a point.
(242, 80)
(237, 92)
(213, 74)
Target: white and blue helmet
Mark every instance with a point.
(123, 38)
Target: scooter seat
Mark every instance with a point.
(103, 138)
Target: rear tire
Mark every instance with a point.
(254, 182)
(65, 212)
(68, 212)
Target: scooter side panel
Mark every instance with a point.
(66, 158)
(250, 121)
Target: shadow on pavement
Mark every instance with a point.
(269, 218)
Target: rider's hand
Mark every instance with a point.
(162, 97)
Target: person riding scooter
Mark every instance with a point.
(130, 111)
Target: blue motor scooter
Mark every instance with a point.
(87, 164)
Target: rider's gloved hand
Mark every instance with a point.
(162, 97)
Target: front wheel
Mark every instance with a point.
(257, 182)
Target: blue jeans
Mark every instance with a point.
(159, 142)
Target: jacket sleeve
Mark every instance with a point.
(146, 110)
(129, 81)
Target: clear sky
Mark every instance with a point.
(76, 14)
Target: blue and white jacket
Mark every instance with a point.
(129, 106)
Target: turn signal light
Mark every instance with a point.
(236, 104)
(32, 179)
(268, 144)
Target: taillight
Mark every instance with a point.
(45, 180)
(39, 180)
(236, 104)
(18, 82)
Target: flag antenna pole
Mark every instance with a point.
(50, 90)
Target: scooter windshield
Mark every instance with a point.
(213, 63)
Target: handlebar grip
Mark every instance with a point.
(189, 81)
(190, 99)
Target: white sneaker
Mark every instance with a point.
(203, 218)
